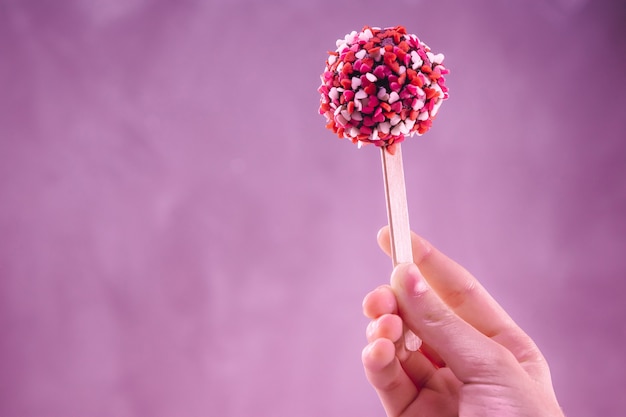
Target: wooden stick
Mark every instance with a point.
(397, 209)
(398, 217)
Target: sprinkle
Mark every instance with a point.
(341, 120)
(333, 94)
(370, 90)
(361, 94)
(380, 86)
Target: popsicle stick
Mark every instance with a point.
(397, 209)
(398, 217)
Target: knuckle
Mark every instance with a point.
(455, 297)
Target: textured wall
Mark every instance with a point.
(180, 236)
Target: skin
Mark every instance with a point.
(474, 359)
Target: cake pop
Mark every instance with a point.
(380, 86)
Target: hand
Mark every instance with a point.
(474, 360)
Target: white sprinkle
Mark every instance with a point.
(438, 89)
(384, 127)
(374, 135)
(436, 106)
(354, 132)
(438, 59)
(431, 56)
(396, 130)
(361, 54)
(418, 104)
(333, 94)
(409, 124)
(371, 77)
(358, 105)
(403, 128)
(356, 82)
(382, 94)
(395, 120)
(359, 144)
(339, 67)
(332, 59)
(346, 114)
(338, 110)
(401, 70)
(417, 61)
(356, 116)
(393, 97)
(361, 94)
(366, 35)
(423, 116)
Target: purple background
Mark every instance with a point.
(180, 236)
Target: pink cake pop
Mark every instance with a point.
(380, 86)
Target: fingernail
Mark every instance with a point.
(414, 283)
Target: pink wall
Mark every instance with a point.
(180, 236)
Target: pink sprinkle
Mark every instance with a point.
(379, 71)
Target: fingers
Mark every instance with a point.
(384, 372)
(455, 285)
(467, 352)
(396, 381)
(386, 329)
(464, 295)
(387, 326)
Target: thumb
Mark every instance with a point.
(468, 353)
